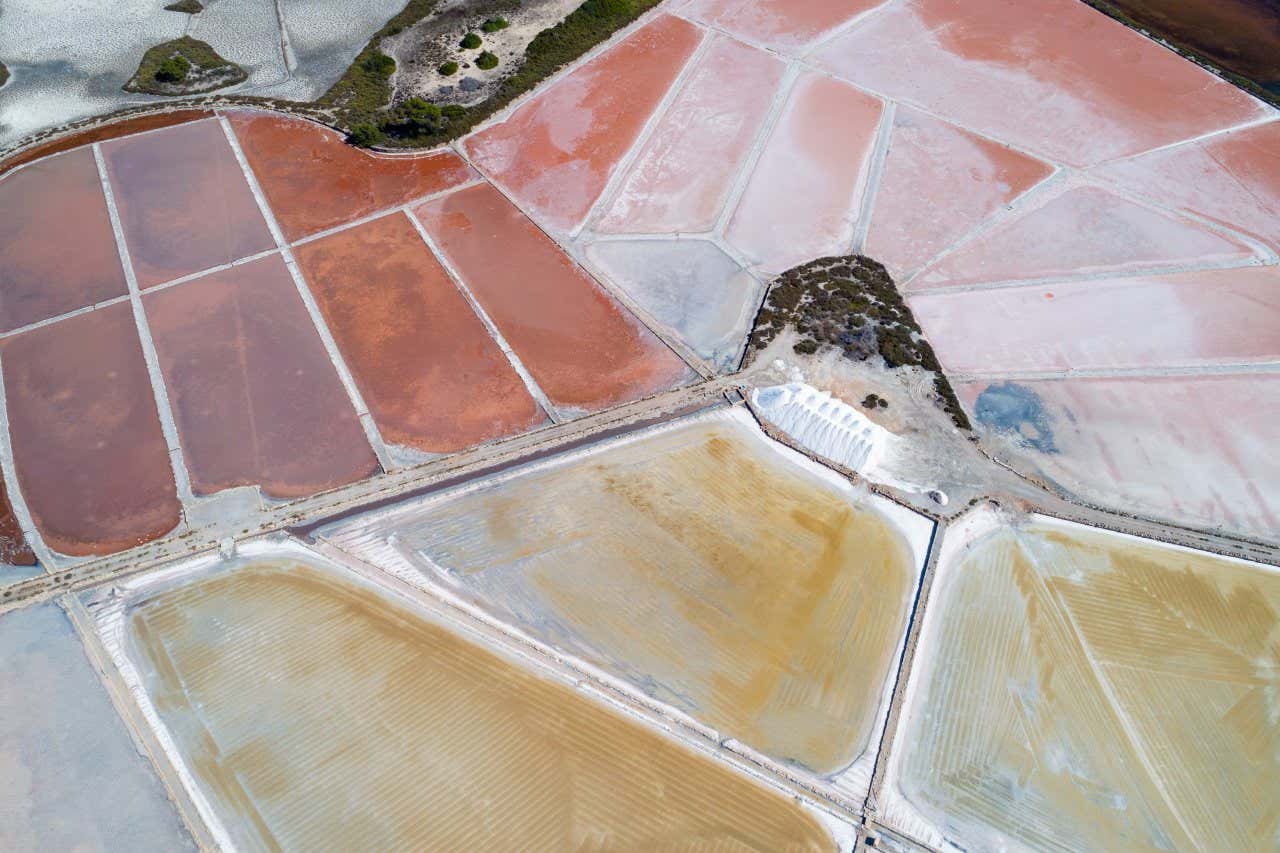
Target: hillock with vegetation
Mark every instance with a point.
(360, 101)
(851, 303)
(184, 66)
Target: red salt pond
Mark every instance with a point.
(1079, 231)
(1233, 178)
(254, 395)
(683, 173)
(430, 373)
(137, 124)
(1186, 319)
(315, 181)
(1198, 449)
(184, 202)
(784, 24)
(802, 199)
(90, 456)
(57, 250)
(556, 152)
(14, 550)
(1055, 77)
(584, 351)
(939, 182)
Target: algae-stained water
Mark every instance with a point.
(315, 712)
(704, 565)
(1084, 689)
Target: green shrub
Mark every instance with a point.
(494, 24)
(486, 60)
(470, 41)
(454, 111)
(448, 69)
(173, 70)
(380, 64)
(365, 135)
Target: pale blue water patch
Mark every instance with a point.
(70, 777)
(691, 286)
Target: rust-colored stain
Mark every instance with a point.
(254, 394)
(50, 207)
(317, 713)
(14, 549)
(184, 202)
(583, 349)
(87, 446)
(430, 373)
(315, 181)
(98, 134)
(555, 153)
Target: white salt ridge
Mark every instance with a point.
(824, 425)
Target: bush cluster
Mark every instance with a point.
(470, 41)
(486, 61)
(448, 69)
(174, 69)
(851, 303)
(494, 24)
(363, 101)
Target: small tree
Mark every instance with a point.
(174, 69)
(365, 135)
(379, 63)
(471, 41)
(486, 60)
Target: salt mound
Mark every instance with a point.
(824, 425)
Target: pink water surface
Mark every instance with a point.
(683, 173)
(939, 182)
(1186, 319)
(1054, 76)
(555, 153)
(1082, 230)
(802, 199)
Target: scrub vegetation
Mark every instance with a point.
(470, 41)
(190, 7)
(361, 100)
(184, 66)
(851, 302)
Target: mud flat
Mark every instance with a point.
(71, 778)
(1076, 688)
(308, 708)
(723, 575)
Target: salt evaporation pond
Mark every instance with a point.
(312, 710)
(719, 572)
(70, 778)
(1081, 689)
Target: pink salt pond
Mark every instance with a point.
(682, 175)
(783, 24)
(1190, 319)
(1055, 77)
(1079, 231)
(556, 152)
(802, 199)
(940, 182)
